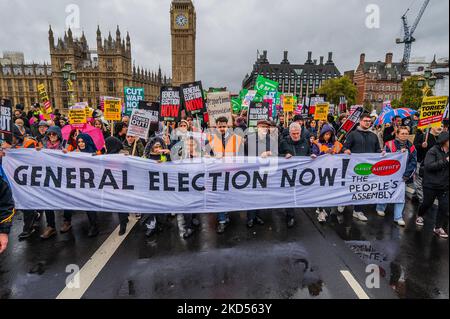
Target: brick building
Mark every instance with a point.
(377, 82)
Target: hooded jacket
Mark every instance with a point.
(90, 146)
(148, 149)
(113, 145)
(139, 147)
(57, 131)
(320, 147)
(436, 167)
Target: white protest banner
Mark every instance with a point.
(219, 105)
(140, 123)
(52, 180)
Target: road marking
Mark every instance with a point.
(354, 284)
(96, 263)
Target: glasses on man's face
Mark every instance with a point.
(52, 134)
(367, 121)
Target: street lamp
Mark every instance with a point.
(69, 76)
(427, 82)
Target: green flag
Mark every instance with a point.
(236, 104)
(264, 85)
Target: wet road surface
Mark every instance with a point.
(267, 261)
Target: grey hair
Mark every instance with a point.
(294, 126)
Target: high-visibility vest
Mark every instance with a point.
(233, 144)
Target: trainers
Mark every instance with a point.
(93, 232)
(322, 218)
(250, 223)
(48, 232)
(188, 233)
(317, 211)
(259, 220)
(420, 221)
(65, 227)
(400, 222)
(291, 223)
(122, 229)
(340, 209)
(381, 213)
(26, 234)
(360, 216)
(221, 228)
(195, 222)
(441, 233)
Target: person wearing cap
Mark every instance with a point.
(260, 144)
(42, 129)
(436, 184)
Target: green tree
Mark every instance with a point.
(412, 95)
(395, 103)
(337, 87)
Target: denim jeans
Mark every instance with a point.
(398, 210)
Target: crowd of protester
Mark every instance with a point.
(426, 171)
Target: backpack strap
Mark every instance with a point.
(392, 146)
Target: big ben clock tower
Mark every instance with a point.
(183, 27)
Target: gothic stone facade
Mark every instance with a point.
(104, 72)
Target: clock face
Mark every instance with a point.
(181, 20)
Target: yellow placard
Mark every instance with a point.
(112, 110)
(288, 103)
(432, 111)
(321, 111)
(45, 100)
(77, 116)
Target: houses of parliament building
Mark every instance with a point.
(102, 72)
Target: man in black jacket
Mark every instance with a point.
(362, 140)
(436, 184)
(6, 210)
(296, 144)
(423, 142)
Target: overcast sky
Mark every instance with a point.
(230, 31)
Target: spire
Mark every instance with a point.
(159, 74)
(128, 42)
(118, 34)
(51, 38)
(99, 38)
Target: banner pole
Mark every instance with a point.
(428, 134)
(112, 128)
(134, 147)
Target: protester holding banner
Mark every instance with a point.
(362, 140)
(224, 143)
(326, 144)
(53, 141)
(42, 129)
(260, 144)
(401, 144)
(436, 185)
(114, 146)
(297, 144)
(155, 150)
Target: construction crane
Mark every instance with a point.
(408, 38)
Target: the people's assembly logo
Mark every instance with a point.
(382, 168)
